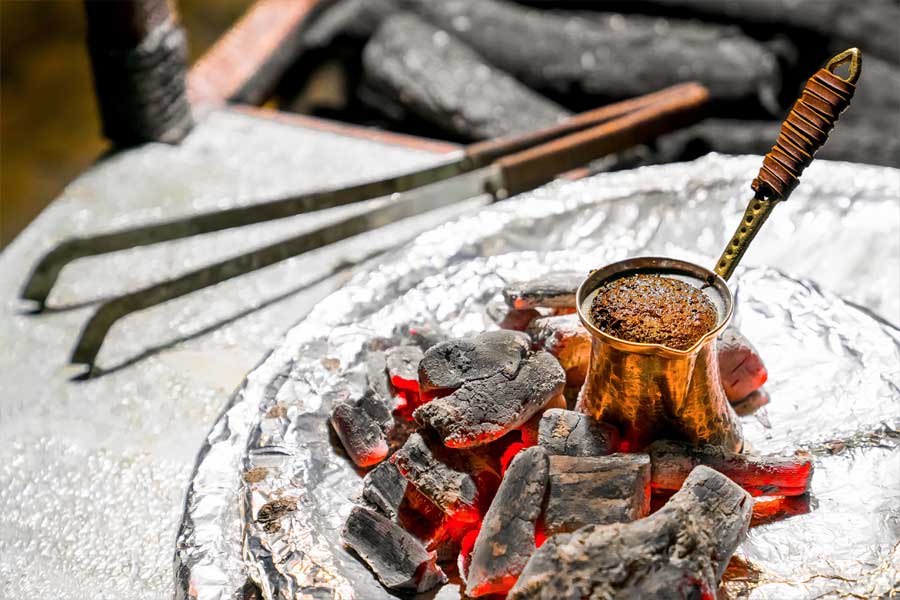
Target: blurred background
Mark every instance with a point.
(466, 70)
(50, 126)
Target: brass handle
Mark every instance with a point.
(805, 129)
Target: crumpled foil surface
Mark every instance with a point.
(834, 372)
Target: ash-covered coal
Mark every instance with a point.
(446, 83)
(452, 363)
(507, 536)
(680, 551)
(652, 309)
(759, 475)
(384, 489)
(398, 559)
(740, 365)
(402, 365)
(362, 436)
(565, 338)
(482, 410)
(587, 490)
(553, 290)
(571, 433)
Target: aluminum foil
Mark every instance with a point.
(834, 372)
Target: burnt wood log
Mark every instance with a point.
(398, 559)
(570, 433)
(362, 436)
(680, 551)
(507, 536)
(741, 368)
(566, 338)
(384, 489)
(139, 59)
(402, 363)
(450, 364)
(483, 410)
(596, 490)
(611, 56)
(759, 475)
(439, 476)
(446, 83)
(553, 290)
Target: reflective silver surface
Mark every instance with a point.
(834, 370)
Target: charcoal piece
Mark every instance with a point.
(438, 475)
(378, 385)
(587, 490)
(611, 56)
(759, 475)
(678, 552)
(855, 142)
(567, 339)
(752, 403)
(530, 431)
(570, 433)
(384, 489)
(483, 410)
(870, 24)
(553, 290)
(506, 540)
(446, 83)
(360, 434)
(425, 336)
(510, 318)
(403, 366)
(398, 559)
(450, 364)
(740, 366)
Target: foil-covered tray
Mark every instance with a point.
(834, 373)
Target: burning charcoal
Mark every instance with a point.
(446, 83)
(678, 552)
(403, 365)
(610, 55)
(570, 433)
(361, 435)
(759, 475)
(482, 410)
(510, 318)
(740, 365)
(565, 338)
(384, 488)
(554, 290)
(588, 490)
(425, 336)
(506, 540)
(752, 403)
(379, 386)
(431, 470)
(771, 510)
(398, 559)
(530, 431)
(450, 364)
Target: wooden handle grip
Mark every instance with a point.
(528, 169)
(824, 97)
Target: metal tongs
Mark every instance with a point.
(500, 167)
